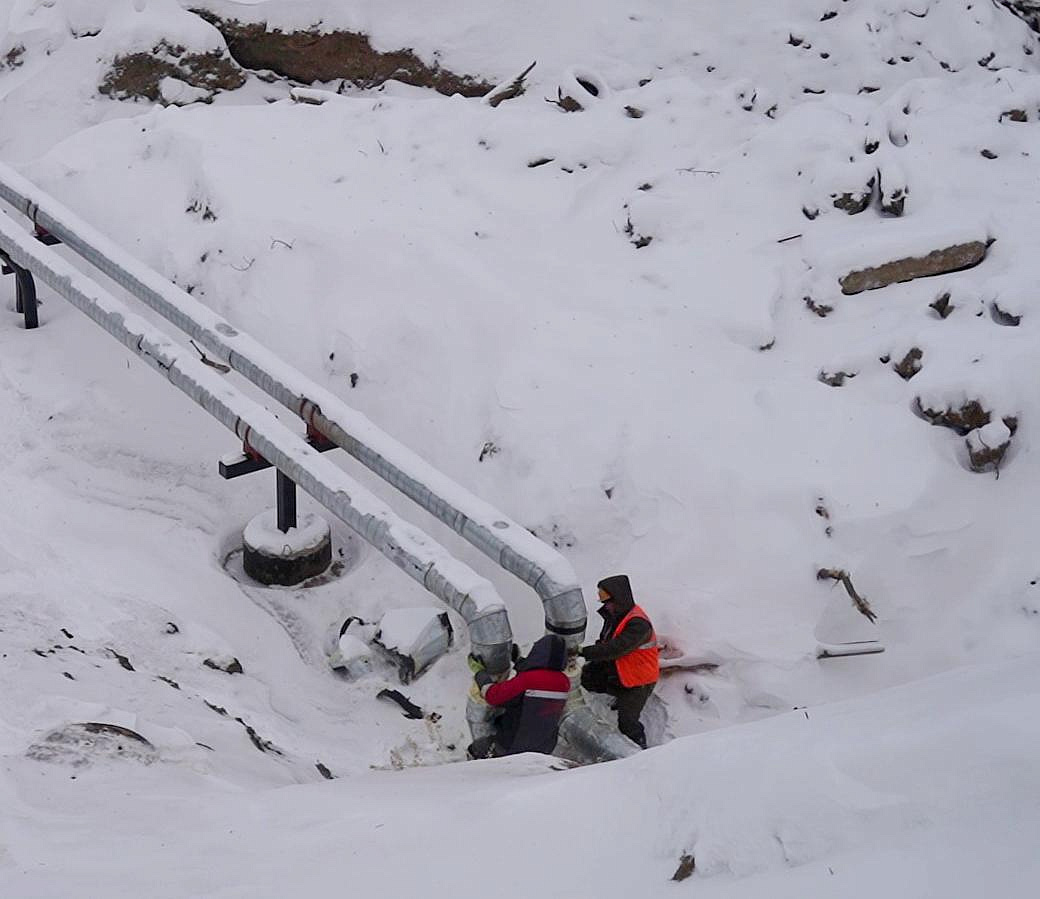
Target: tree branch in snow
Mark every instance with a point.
(860, 602)
(514, 88)
(219, 366)
(566, 103)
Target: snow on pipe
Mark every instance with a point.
(508, 544)
(473, 597)
(514, 548)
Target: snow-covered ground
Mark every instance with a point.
(469, 278)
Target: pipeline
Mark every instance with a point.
(508, 544)
(505, 542)
(473, 597)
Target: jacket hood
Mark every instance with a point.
(620, 591)
(548, 652)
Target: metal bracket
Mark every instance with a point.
(45, 237)
(249, 461)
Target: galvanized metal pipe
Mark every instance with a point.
(472, 596)
(504, 541)
(511, 546)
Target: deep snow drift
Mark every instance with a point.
(623, 326)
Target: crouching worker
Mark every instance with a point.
(623, 662)
(532, 701)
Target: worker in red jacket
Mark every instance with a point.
(623, 662)
(532, 701)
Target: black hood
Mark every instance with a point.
(620, 590)
(548, 652)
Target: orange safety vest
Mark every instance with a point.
(640, 666)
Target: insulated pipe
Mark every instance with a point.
(513, 547)
(508, 544)
(473, 597)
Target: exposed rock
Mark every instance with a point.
(309, 56)
(835, 379)
(140, 75)
(122, 659)
(1014, 115)
(82, 744)
(1004, 318)
(227, 664)
(258, 741)
(987, 447)
(893, 190)
(967, 418)
(942, 305)
(938, 262)
(855, 201)
(893, 203)
(910, 364)
(13, 58)
(988, 154)
(687, 865)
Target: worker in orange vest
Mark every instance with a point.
(623, 662)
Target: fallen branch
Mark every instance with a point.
(514, 88)
(219, 366)
(860, 602)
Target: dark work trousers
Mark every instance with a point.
(601, 677)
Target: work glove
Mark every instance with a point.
(483, 678)
(476, 663)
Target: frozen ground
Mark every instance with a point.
(654, 409)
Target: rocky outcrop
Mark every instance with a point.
(938, 262)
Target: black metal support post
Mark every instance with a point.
(249, 461)
(286, 489)
(25, 297)
(25, 303)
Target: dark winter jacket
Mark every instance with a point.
(533, 700)
(638, 631)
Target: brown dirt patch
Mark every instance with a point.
(309, 56)
(137, 75)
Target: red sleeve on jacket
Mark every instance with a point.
(538, 679)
